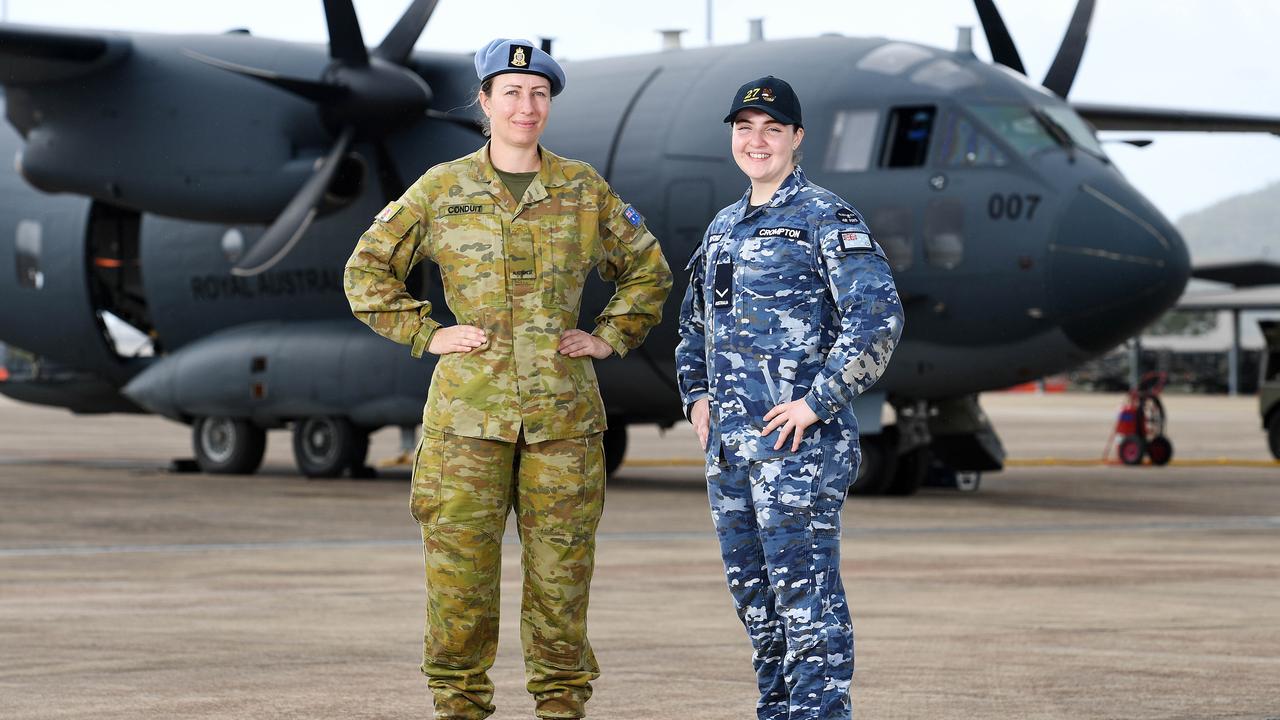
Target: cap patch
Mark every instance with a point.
(847, 216)
(766, 94)
(519, 57)
(751, 95)
(633, 216)
(854, 240)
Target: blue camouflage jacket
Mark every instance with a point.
(793, 300)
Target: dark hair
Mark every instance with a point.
(485, 87)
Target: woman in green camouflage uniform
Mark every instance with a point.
(515, 230)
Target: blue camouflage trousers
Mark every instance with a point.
(778, 522)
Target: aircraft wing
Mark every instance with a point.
(33, 55)
(1241, 273)
(1129, 117)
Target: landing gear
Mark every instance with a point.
(1273, 436)
(913, 468)
(879, 463)
(325, 447)
(228, 446)
(615, 447)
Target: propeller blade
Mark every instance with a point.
(388, 177)
(398, 43)
(999, 40)
(469, 123)
(313, 90)
(290, 226)
(1062, 73)
(346, 42)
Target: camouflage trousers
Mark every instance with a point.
(463, 489)
(778, 522)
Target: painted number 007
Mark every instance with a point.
(1013, 206)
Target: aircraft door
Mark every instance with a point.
(115, 281)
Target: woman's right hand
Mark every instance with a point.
(700, 416)
(456, 339)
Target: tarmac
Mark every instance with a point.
(1063, 588)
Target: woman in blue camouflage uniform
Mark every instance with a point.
(791, 312)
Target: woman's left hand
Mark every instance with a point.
(576, 343)
(795, 415)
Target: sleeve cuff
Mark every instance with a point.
(822, 411)
(610, 335)
(694, 397)
(422, 339)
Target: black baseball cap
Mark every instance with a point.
(771, 96)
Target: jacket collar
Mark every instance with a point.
(791, 185)
(550, 174)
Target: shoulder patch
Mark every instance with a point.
(397, 219)
(633, 216)
(847, 216)
(852, 240)
(389, 212)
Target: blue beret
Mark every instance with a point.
(518, 56)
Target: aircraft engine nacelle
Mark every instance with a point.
(244, 150)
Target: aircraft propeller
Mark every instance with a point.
(361, 94)
(1062, 72)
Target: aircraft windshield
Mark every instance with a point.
(1017, 126)
(1075, 127)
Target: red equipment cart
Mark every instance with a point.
(1140, 425)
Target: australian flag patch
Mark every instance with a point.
(853, 240)
(633, 216)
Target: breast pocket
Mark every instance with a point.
(470, 255)
(778, 292)
(570, 248)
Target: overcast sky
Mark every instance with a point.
(1196, 54)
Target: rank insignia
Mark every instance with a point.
(723, 286)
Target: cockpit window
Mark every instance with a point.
(962, 144)
(908, 136)
(852, 135)
(1017, 126)
(1076, 128)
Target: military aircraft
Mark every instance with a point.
(183, 204)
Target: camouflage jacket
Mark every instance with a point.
(794, 300)
(516, 269)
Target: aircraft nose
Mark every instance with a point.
(1116, 264)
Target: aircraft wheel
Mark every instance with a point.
(1160, 450)
(228, 446)
(1273, 434)
(1131, 450)
(325, 447)
(879, 462)
(968, 480)
(615, 447)
(912, 469)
